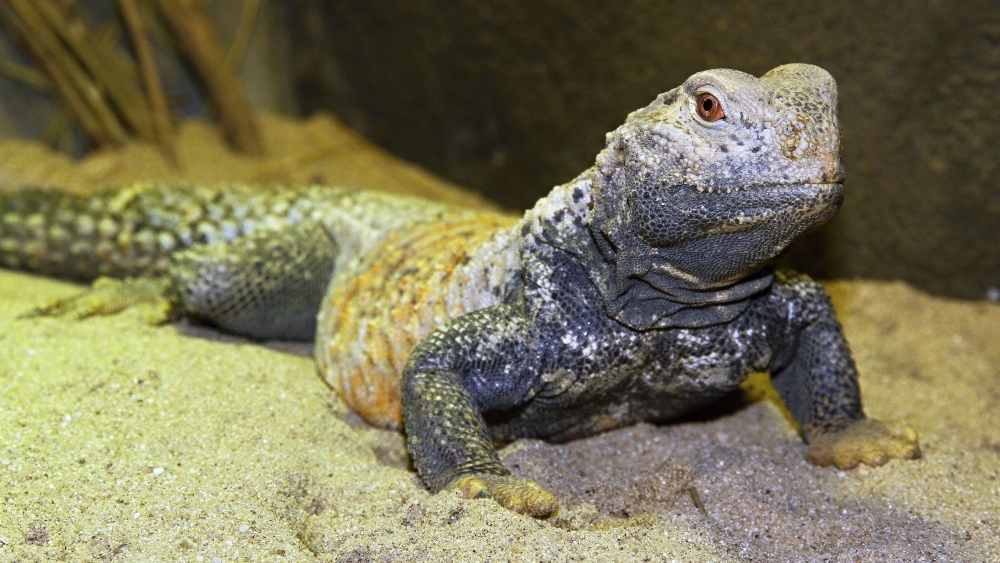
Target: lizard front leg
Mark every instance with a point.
(481, 361)
(820, 387)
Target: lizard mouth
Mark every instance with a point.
(817, 186)
(763, 204)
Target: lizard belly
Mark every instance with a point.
(672, 373)
(414, 281)
(636, 398)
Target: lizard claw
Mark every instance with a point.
(109, 296)
(519, 495)
(865, 441)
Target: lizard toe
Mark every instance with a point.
(518, 495)
(865, 441)
(109, 296)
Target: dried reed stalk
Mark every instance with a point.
(189, 22)
(244, 31)
(100, 86)
(25, 75)
(151, 79)
(104, 67)
(66, 75)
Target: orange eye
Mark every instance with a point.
(709, 108)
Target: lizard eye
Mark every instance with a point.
(709, 107)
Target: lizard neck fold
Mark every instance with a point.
(639, 285)
(642, 285)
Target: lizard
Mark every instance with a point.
(641, 290)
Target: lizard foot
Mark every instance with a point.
(109, 296)
(523, 497)
(865, 441)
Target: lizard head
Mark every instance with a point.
(712, 180)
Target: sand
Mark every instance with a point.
(123, 441)
(318, 150)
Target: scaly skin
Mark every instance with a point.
(639, 291)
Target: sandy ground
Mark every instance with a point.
(318, 150)
(121, 441)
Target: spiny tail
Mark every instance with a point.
(129, 232)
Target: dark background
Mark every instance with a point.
(511, 97)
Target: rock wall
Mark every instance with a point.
(513, 97)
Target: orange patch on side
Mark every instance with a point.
(375, 320)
